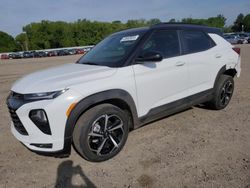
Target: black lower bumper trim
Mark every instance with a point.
(65, 152)
(42, 145)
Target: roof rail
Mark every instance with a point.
(179, 23)
(184, 23)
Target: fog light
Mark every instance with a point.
(39, 118)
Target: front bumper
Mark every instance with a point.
(55, 144)
(34, 147)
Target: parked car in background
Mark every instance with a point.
(4, 56)
(52, 53)
(62, 52)
(15, 55)
(248, 34)
(233, 39)
(72, 51)
(80, 51)
(40, 54)
(245, 36)
(87, 49)
(242, 37)
(47, 53)
(28, 54)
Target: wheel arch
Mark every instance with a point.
(230, 72)
(117, 97)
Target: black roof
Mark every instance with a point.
(187, 26)
(180, 26)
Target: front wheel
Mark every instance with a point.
(223, 93)
(101, 132)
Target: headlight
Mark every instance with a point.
(44, 96)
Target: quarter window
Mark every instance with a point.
(164, 41)
(195, 41)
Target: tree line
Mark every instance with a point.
(57, 34)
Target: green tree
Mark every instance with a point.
(153, 21)
(246, 23)
(172, 20)
(48, 34)
(238, 23)
(136, 23)
(227, 29)
(218, 21)
(116, 22)
(22, 41)
(7, 43)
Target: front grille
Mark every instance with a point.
(17, 123)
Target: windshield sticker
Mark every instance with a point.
(129, 38)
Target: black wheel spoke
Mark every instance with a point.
(223, 101)
(229, 89)
(106, 122)
(120, 126)
(113, 141)
(95, 134)
(98, 152)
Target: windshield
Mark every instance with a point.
(113, 50)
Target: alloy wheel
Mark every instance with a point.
(226, 93)
(106, 134)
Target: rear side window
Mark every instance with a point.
(164, 41)
(196, 41)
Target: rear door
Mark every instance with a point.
(201, 58)
(159, 83)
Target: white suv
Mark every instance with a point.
(129, 79)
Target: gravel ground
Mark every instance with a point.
(195, 148)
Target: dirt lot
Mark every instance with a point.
(195, 148)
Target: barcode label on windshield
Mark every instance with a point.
(129, 38)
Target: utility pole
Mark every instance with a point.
(26, 42)
(242, 28)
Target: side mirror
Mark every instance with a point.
(152, 56)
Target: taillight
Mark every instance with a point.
(237, 50)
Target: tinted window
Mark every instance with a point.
(164, 41)
(195, 41)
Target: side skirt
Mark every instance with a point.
(176, 106)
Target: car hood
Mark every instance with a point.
(60, 77)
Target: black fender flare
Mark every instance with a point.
(94, 99)
(221, 71)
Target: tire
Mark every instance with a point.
(223, 93)
(95, 143)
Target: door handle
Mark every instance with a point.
(180, 63)
(218, 56)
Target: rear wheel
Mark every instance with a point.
(223, 93)
(101, 132)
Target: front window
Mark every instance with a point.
(113, 50)
(165, 42)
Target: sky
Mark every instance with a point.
(14, 14)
